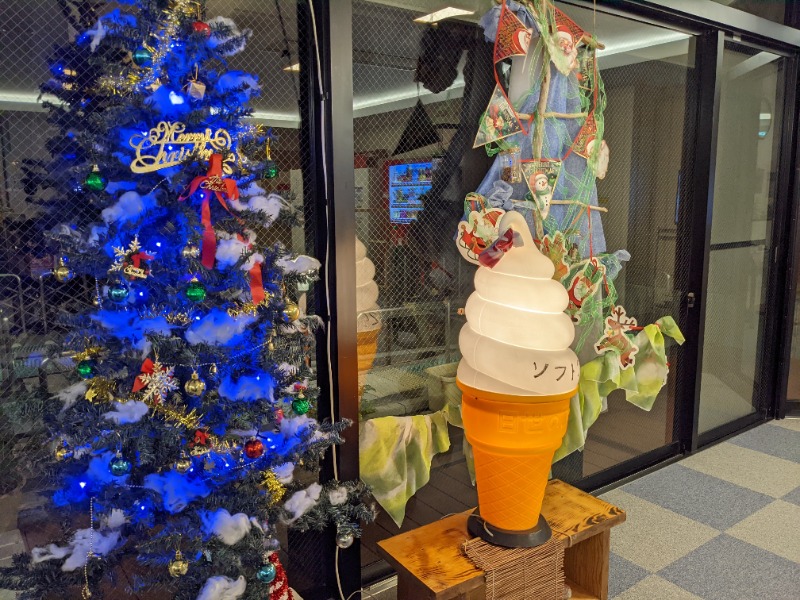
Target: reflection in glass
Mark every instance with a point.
(744, 194)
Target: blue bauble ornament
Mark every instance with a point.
(119, 466)
(118, 292)
(142, 57)
(266, 574)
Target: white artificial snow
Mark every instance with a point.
(288, 368)
(252, 190)
(338, 495)
(115, 520)
(115, 186)
(100, 471)
(129, 326)
(230, 249)
(269, 206)
(175, 489)
(284, 472)
(227, 527)
(76, 552)
(70, 395)
(95, 233)
(300, 264)
(128, 207)
(217, 328)
(127, 412)
(222, 588)
(301, 501)
(218, 38)
(246, 84)
(291, 427)
(248, 388)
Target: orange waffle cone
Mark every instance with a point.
(513, 441)
(367, 349)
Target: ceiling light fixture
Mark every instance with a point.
(444, 13)
(295, 68)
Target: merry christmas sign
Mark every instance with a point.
(169, 144)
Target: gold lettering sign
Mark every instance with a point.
(168, 145)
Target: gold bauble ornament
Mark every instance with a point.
(291, 312)
(212, 369)
(195, 386)
(183, 464)
(190, 251)
(62, 272)
(178, 566)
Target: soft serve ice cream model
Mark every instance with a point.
(517, 375)
(369, 322)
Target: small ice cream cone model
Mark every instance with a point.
(517, 376)
(369, 322)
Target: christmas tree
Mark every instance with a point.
(187, 437)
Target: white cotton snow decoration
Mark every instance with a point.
(115, 520)
(217, 38)
(230, 248)
(217, 328)
(96, 232)
(300, 264)
(288, 369)
(222, 588)
(253, 189)
(301, 502)
(116, 186)
(248, 388)
(70, 395)
(338, 495)
(129, 326)
(269, 206)
(128, 207)
(131, 411)
(76, 552)
(292, 427)
(227, 527)
(175, 489)
(284, 473)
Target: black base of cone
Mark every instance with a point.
(529, 538)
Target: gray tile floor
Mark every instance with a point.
(723, 524)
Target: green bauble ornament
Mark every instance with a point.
(119, 466)
(267, 573)
(95, 180)
(143, 57)
(118, 292)
(271, 169)
(196, 291)
(86, 369)
(300, 405)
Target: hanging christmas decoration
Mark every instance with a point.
(291, 312)
(62, 272)
(63, 451)
(300, 405)
(223, 189)
(118, 292)
(178, 566)
(195, 386)
(196, 290)
(156, 380)
(195, 88)
(95, 180)
(142, 57)
(86, 368)
(190, 251)
(202, 27)
(267, 573)
(253, 448)
(270, 167)
(131, 261)
(212, 369)
(183, 464)
(119, 465)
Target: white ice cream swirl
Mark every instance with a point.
(366, 291)
(517, 337)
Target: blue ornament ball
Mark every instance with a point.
(266, 574)
(119, 466)
(143, 57)
(118, 292)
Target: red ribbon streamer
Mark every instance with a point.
(492, 255)
(256, 281)
(139, 257)
(147, 367)
(212, 181)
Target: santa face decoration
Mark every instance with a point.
(522, 41)
(602, 159)
(567, 44)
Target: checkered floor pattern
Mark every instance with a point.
(723, 524)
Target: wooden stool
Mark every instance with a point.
(430, 564)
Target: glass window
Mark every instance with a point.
(750, 124)
(774, 10)
(419, 94)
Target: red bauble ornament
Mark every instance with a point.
(253, 448)
(201, 27)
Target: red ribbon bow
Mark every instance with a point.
(222, 188)
(137, 258)
(492, 255)
(147, 368)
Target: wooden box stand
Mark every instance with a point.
(430, 564)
